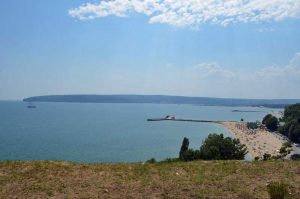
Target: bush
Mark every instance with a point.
(151, 161)
(191, 154)
(256, 158)
(287, 144)
(216, 147)
(169, 160)
(295, 157)
(252, 125)
(283, 150)
(278, 190)
(267, 156)
(277, 157)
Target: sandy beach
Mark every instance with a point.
(258, 141)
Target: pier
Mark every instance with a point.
(187, 120)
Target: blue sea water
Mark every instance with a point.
(86, 132)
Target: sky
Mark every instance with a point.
(206, 48)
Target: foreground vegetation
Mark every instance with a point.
(196, 179)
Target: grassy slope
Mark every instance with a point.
(199, 179)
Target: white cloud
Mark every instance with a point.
(269, 82)
(193, 12)
(210, 69)
(265, 30)
(292, 70)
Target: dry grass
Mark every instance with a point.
(199, 179)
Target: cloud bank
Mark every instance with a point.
(211, 79)
(183, 13)
(273, 81)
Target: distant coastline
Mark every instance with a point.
(164, 99)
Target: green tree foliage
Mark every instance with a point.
(184, 148)
(271, 122)
(216, 147)
(291, 119)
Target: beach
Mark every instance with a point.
(258, 142)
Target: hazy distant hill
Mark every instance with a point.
(162, 99)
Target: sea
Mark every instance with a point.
(104, 132)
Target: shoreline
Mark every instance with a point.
(258, 142)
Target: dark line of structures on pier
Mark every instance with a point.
(187, 120)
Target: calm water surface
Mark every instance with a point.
(107, 132)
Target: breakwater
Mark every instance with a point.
(186, 120)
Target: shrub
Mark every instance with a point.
(169, 160)
(252, 125)
(277, 157)
(278, 190)
(283, 150)
(267, 156)
(151, 161)
(295, 157)
(191, 154)
(287, 144)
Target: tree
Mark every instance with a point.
(267, 117)
(291, 119)
(184, 148)
(271, 122)
(216, 147)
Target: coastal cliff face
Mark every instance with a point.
(198, 179)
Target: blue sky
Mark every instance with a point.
(240, 49)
